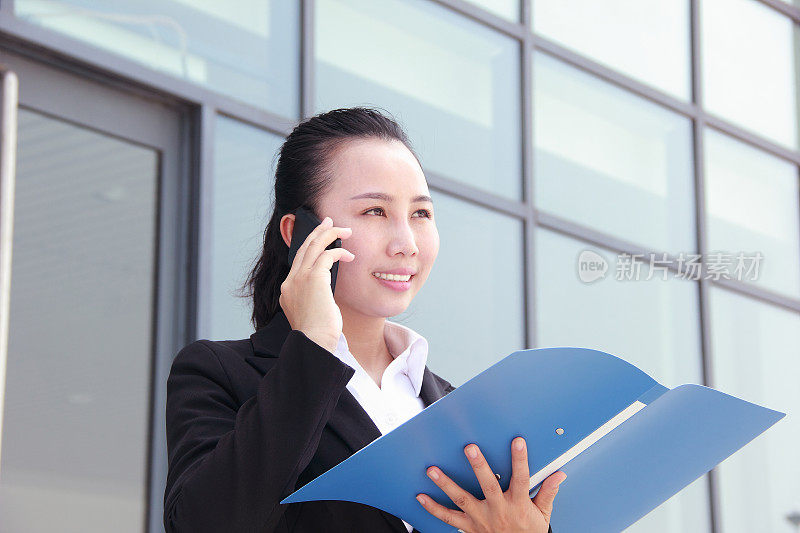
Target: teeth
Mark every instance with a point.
(392, 277)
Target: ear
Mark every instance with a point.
(287, 228)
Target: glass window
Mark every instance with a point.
(508, 9)
(76, 422)
(752, 208)
(250, 53)
(611, 161)
(644, 39)
(755, 347)
(452, 82)
(472, 307)
(242, 196)
(749, 55)
(652, 324)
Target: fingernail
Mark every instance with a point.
(519, 443)
(328, 219)
(421, 499)
(433, 473)
(472, 451)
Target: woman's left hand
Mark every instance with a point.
(512, 510)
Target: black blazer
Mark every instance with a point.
(250, 421)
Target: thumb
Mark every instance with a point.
(547, 493)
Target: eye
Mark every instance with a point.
(426, 212)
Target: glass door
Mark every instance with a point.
(92, 303)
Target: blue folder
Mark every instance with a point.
(626, 442)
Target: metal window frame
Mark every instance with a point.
(133, 76)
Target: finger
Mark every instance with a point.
(319, 243)
(318, 240)
(448, 516)
(520, 473)
(547, 493)
(486, 478)
(326, 223)
(463, 499)
(329, 257)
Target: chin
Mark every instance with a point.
(387, 308)
(390, 310)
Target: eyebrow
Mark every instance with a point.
(387, 198)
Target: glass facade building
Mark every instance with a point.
(661, 138)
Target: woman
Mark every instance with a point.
(250, 421)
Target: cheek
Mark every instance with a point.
(358, 247)
(429, 245)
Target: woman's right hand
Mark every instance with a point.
(306, 296)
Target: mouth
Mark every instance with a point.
(394, 281)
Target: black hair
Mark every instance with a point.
(302, 176)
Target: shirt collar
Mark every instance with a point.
(412, 348)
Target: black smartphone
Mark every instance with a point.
(304, 223)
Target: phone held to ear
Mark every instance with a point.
(304, 223)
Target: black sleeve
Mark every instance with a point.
(229, 468)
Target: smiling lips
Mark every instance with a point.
(392, 277)
(395, 282)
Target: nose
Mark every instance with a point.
(403, 240)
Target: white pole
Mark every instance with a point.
(9, 97)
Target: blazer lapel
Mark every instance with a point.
(349, 420)
(431, 390)
(352, 423)
(355, 427)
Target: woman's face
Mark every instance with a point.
(391, 233)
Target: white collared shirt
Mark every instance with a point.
(397, 399)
